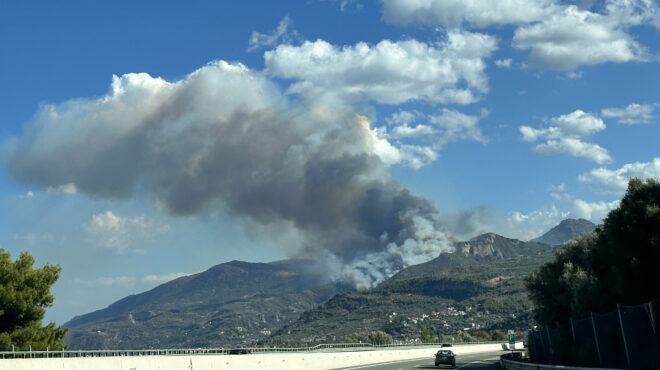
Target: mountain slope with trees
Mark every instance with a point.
(234, 302)
(239, 303)
(475, 288)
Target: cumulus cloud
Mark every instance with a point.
(558, 191)
(389, 72)
(225, 138)
(535, 223)
(457, 126)
(593, 211)
(559, 36)
(574, 147)
(437, 131)
(280, 35)
(531, 225)
(504, 63)
(403, 131)
(457, 13)
(573, 37)
(564, 135)
(120, 234)
(633, 114)
(616, 181)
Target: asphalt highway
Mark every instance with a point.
(476, 361)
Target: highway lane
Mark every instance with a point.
(475, 361)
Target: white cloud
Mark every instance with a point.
(354, 5)
(457, 126)
(533, 224)
(68, 188)
(557, 188)
(388, 72)
(28, 195)
(279, 35)
(575, 148)
(121, 233)
(634, 12)
(593, 211)
(438, 131)
(565, 136)
(578, 123)
(404, 130)
(574, 37)
(504, 63)
(560, 36)
(159, 279)
(457, 13)
(632, 114)
(616, 181)
(402, 117)
(131, 281)
(574, 75)
(558, 192)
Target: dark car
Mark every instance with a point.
(445, 357)
(445, 345)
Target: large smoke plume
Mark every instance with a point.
(225, 138)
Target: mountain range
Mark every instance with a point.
(241, 303)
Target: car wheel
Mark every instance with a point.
(437, 363)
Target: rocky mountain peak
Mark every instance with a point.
(566, 230)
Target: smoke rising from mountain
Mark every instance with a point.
(308, 174)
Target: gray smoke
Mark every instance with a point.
(225, 138)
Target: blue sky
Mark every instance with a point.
(508, 117)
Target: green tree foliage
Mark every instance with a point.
(613, 265)
(481, 335)
(357, 338)
(24, 295)
(626, 260)
(379, 337)
(464, 336)
(552, 288)
(498, 335)
(425, 335)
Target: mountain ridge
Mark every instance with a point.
(241, 302)
(566, 230)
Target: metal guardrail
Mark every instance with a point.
(335, 347)
(516, 362)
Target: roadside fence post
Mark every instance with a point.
(623, 334)
(551, 350)
(573, 329)
(593, 326)
(649, 310)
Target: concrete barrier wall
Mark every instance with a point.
(264, 361)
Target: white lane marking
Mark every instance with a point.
(477, 362)
(382, 363)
